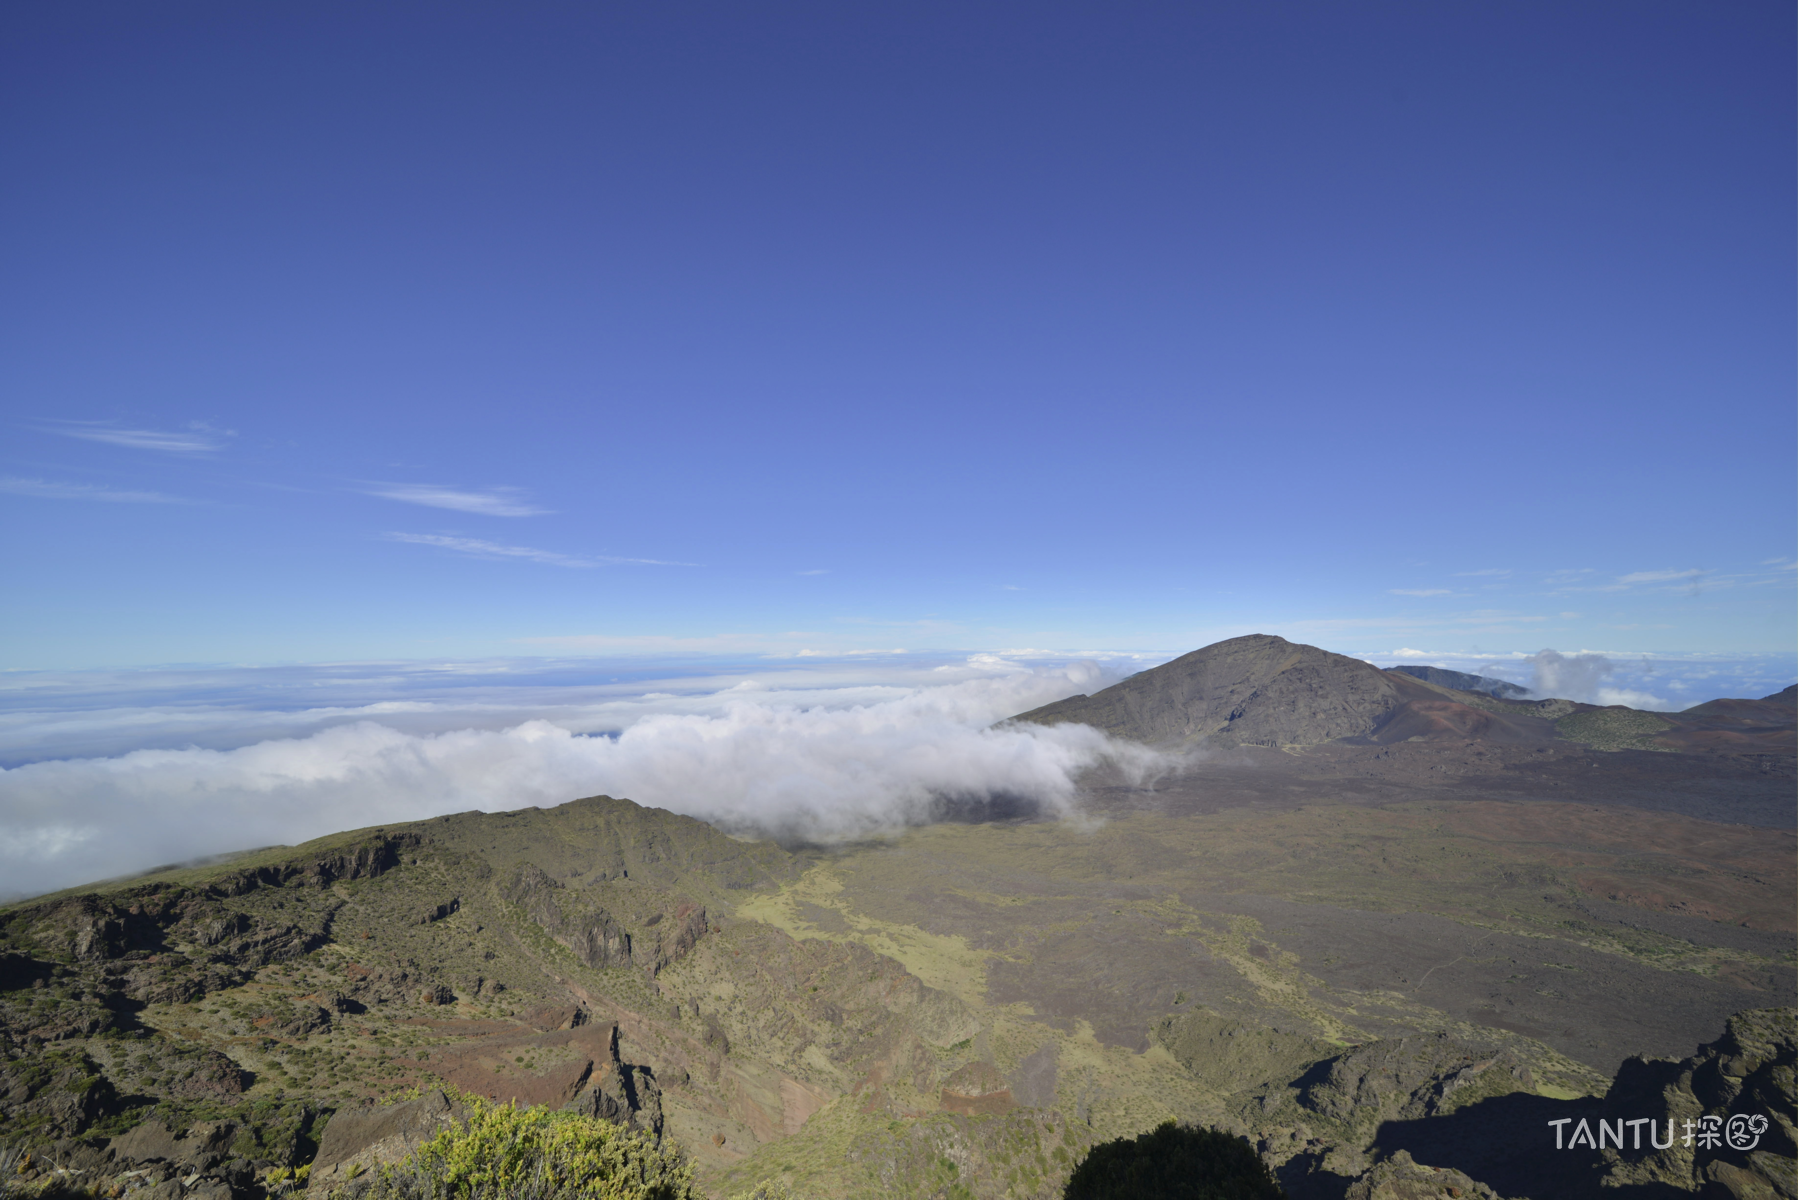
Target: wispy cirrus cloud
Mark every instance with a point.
(1688, 579)
(1495, 572)
(46, 489)
(197, 438)
(1635, 577)
(1420, 591)
(480, 548)
(487, 502)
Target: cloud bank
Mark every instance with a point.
(1582, 677)
(756, 762)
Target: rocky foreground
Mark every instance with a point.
(209, 1037)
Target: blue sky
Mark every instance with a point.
(424, 332)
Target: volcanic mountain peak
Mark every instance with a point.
(1255, 690)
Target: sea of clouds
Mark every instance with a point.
(108, 773)
(824, 752)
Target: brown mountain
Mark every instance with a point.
(1262, 690)
(1764, 726)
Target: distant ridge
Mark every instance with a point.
(1461, 681)
(1262, 690)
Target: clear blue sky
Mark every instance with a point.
(344, 330)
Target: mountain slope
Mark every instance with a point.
(1256, 690)
(1262, 690)
(1463, 682)
(960, 1012)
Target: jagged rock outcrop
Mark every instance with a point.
(598, 937)
(1401, 1178)
(674, 937)
(374, 855)
(1222, 1052)
(591, 933)
(606, 1096)
(64, 1092)
(167, 944)
(210, 1075)
(94, 929)
(357, 1139)
(1739, 1095)
(1411, 1077)
(205, 1160)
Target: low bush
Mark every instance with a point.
(507, 1153)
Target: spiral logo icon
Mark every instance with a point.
(1744, 1132)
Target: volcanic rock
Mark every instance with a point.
(1746, 1073)
(378, 1135)
(150, 1142)
(1402, 1178)
(1411, 1077)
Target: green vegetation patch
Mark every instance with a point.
(1615, 729)
(507, 1153)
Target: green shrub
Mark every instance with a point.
(773, 1189)
(507, 1153)
(1173, 1163)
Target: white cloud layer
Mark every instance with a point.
(1584, 677)
(746, 758)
